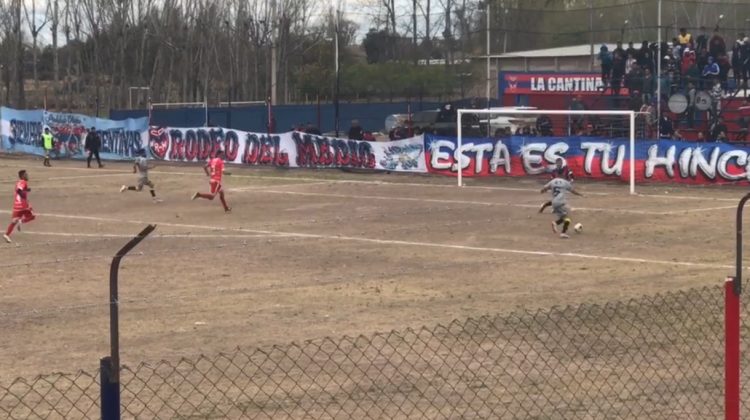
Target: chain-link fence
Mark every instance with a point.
(653, 357)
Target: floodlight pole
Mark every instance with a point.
(489, 78)
(658, 70)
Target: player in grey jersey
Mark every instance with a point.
(560, 188)
(141, 166)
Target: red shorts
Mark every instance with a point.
(215, 187)
(25, 215)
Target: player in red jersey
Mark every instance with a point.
(22, 212)
(215, 169)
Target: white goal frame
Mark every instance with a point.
(630, 114)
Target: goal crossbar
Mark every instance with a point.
(630, 114)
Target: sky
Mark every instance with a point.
(362, 12)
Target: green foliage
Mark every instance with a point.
(398, 79)
(314, 79)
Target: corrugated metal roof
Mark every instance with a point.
(569, 51)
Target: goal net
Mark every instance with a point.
(526, 141)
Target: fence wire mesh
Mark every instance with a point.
(652, 357)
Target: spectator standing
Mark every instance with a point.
(724, 67)
(446, 114)
(631, 63)
(719, 130)
(691, 95)
(744, 121)
(605, 59)
(311, 129)
(684, 39)
(93, 144)
(643, 57)
(745, 57)
(618, 72)
(356, 132)
(701, 137)
(711, 70)
(666, 130)
(716, 93)
(716, 45)
(631, 51)
(648, 86)
(701, 41)
(634, 77)
(737, 60)
(577, 120)
(676, 50)
(635, 102)
(689, 70)
(544, 126)
(693, 74)
(618, 49)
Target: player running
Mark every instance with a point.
(22, 212)
(560, 170)
(215, 169)
(560, 188)
(141, 166)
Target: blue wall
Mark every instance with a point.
(371, 116)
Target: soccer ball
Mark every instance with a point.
(578, 228)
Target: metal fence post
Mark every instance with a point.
(732, 351)
(110, 390)
(110, 366)
(733, 290)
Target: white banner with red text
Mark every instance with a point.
(292, 149)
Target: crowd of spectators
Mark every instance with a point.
(689, 65)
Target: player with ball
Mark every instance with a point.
(560, 188)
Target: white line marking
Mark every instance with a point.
(87, 176)
(699, 210)
(114, 235)
(479, 203)
(261, 187)
(397, 242)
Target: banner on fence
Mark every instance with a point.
(591, 157)
(21, 132)
(292, 149)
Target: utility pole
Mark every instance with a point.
(591, 34)
(658, 69)
(336, 73)
(414, 25)
(489, 75)
(274, 40)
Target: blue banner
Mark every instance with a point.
(591, 157)
(21, 132)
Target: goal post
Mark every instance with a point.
(630, 132)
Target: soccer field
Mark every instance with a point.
(307, 254)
